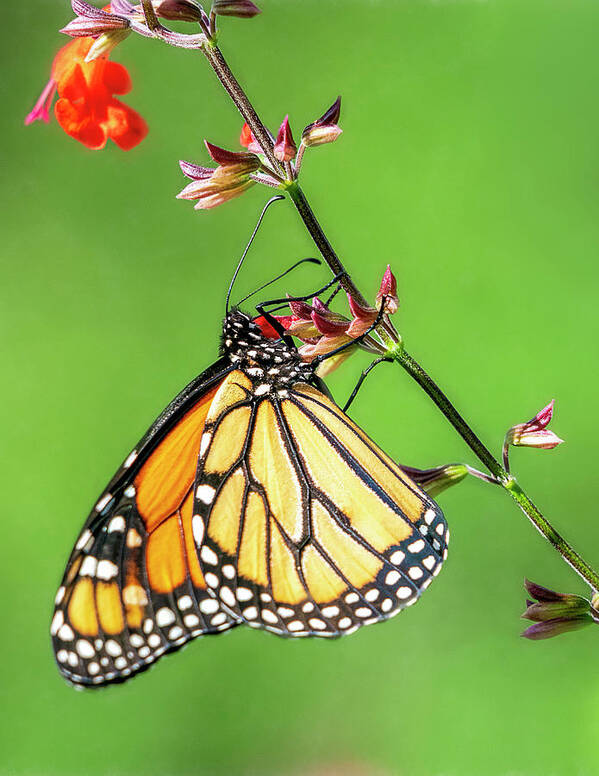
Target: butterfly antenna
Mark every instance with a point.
(310, 260)
(248, 246)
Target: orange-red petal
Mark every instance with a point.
(124, 125)
(77, 123)
(116, 78)
(73, 52)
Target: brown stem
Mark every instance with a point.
(244, 106)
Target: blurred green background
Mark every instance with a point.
(470, 161)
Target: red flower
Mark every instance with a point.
(86, 108)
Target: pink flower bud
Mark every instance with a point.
(212, 187)
(242, 9)
(328, 325)
(320, 135)
(285, 148)
(195, 171)
(249, 162)
(325, 129)
(363, 317)
(300, 309)
(535, 433)
(326, 345)
(388, 289)
(221, 196)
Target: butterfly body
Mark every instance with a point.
(252, 500)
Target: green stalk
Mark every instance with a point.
(506, 480)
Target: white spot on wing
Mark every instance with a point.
(83, 539)
(130, 459)
(204, 443)
(85, 649)
(57, 621)
(209, 605)
(197, 527)
(164, 617)
(102, 502)
(117, 524)
(227, 596)
(89, 566)
(107, 570)
(208, 555)
(205, 493)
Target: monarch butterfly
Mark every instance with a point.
(253, 499)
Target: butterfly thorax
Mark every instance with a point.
(267, 361)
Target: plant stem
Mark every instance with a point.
(503, 477)
(244, 106)
(324, 246)
(396, 351)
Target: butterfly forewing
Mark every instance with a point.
(133, 588)
(307, 527)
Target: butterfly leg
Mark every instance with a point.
(303, 298)
(361, 379)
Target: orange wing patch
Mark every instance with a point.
(167, 476)
(134, 588)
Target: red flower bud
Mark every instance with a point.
(249, 162)
(534, 433)
(363, 317)
(285, 148)
(388, 289)
(325, 129)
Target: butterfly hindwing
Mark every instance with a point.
(133, 588)
(308, 528)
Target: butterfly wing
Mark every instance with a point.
(133, 588)
(307, 528)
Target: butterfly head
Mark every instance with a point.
(259, 356)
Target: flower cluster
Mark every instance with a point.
(86, 81)
(556, 613)
(323, 331)
(238, 171)
(211, 186)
